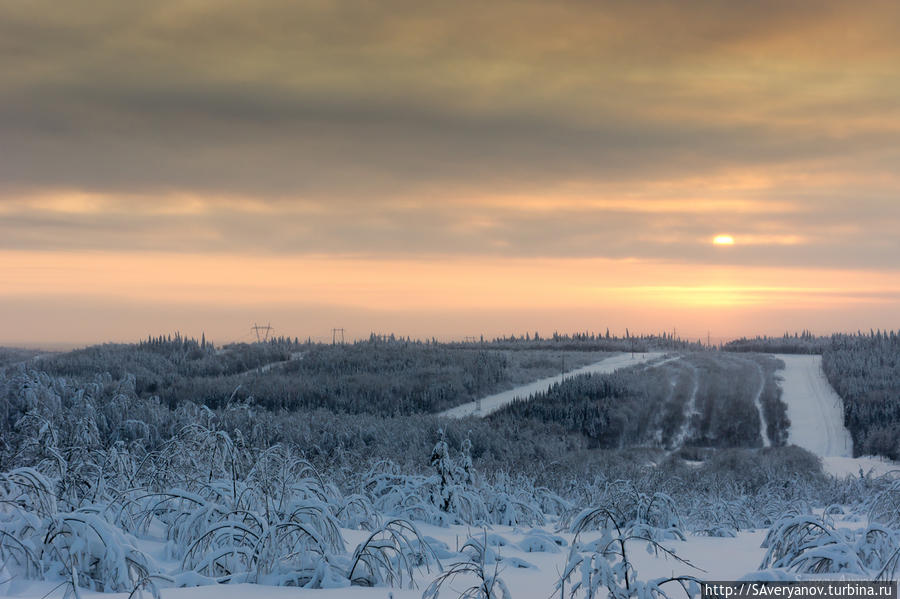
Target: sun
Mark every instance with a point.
(723, 240)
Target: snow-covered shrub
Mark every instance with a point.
(550, 503)
(885, 507)
(28, 490)
(454, 490)
(539, 540)
(356, 511)
(390, 555)
(26, 504)
(251, 550)
(482, 566)
(511, 509)
(655, 515)
(604, 565)
(404, 496)
(104, 558)
(445, 498)
(809, 545)
(20, 542)
(720, 516)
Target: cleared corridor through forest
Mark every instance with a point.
(492, 403)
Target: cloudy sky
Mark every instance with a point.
(446, 168)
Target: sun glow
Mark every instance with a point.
(723, 240)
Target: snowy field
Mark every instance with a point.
(492, 403)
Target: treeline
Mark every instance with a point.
(158, 361)
(700, 400)
(865, 371)
(798, 343)
(12, 355)
(588, 341)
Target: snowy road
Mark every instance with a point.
(816, 412)
(492, 403)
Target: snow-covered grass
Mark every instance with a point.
(802, 546)
(245, 521)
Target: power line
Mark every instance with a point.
(334, 333)
(257, 328)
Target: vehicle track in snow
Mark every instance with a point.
(757, 401)
(690, 409)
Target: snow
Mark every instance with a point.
(719, 559)
(816, 412)
(842, 467)
(492, 403)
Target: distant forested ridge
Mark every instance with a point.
(384, 375)
(864, 369)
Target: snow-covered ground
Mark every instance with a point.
(527, 574)
(816, 412)
(842, 467)
(492, 403)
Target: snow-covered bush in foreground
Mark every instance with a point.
(457, 495)
(94, 553)
(481, 566)
(808, 544)
(390, 555)
(603, 565)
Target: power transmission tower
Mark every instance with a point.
(334, 333)
(257, 328)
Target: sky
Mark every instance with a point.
(447, 169)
